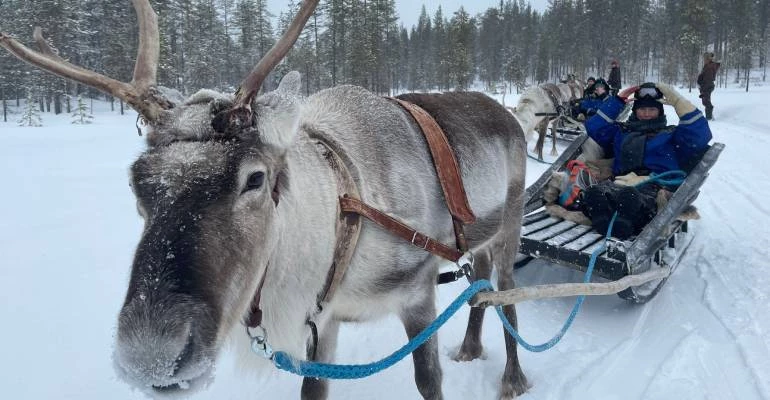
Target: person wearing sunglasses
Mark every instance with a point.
(706, 82)
(589, 105)
(642, 146)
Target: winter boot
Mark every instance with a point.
(623, 228)
(629, 201)
(710, 113)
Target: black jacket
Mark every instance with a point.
(614, 79)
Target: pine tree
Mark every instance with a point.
(461, 39)
(441, 51)
(31, 115)
(81, 115)
(254, 34)
(691, 40)
(490, 43)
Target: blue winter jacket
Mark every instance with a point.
(590, 105)
(671, 148)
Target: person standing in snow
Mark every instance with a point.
(706, 80)
(614, 79)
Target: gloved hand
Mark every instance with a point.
(581, 117)
(631, 179)
(671, 96)
(623, 95)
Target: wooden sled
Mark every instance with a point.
(661, 244)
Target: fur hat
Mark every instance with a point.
(614, 63)
(708, 55)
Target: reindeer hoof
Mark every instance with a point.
(468, 353)
(511, 388)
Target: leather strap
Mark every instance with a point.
(347, 231)
(254, 318)
(445, 162)
(551, 89)
(396, 227)
(348, 226)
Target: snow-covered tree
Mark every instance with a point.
(31, 115)
(81, 114)
(462, 31)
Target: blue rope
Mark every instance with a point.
(538, 160)
(668, 178)
(314, 369)
(288, 363)
(556, 338)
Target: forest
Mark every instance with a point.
(214, 43)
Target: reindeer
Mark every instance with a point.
(551, 102)
(241, 200)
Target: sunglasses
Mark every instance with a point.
(651, 92)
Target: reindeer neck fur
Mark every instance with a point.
(303, 256)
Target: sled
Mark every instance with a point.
(568, 128)
(661, 244)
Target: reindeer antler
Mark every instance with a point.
(138, 93)
(241, 111)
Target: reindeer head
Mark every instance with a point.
(207, 188)
(208, 200)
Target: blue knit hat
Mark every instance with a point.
(648, 102)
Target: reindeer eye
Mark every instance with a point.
(255, 181)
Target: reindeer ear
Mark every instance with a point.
(291, 84)
(172, 97)
(278, 112)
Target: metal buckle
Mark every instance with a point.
(465, 265)
(259, 342)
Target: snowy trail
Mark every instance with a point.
(68, 229)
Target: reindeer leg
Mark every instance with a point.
(541, 131)
(318, 389)
(471, 348)
(503, 252)
(553, 141)
(427, 370)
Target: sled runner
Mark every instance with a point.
(568, 128)
(662, 243)
(563, 126)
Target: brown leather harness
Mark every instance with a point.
(348, 226)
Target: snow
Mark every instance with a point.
(68, 228)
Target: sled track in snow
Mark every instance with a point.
(714, 281)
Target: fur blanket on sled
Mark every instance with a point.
(600, 169)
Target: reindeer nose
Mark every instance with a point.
(158, 343)
(151, 343)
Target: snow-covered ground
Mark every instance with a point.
(68, 228)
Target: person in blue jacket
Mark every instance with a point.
(642, 146)
(590, 105)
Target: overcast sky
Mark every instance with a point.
(409, 10)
